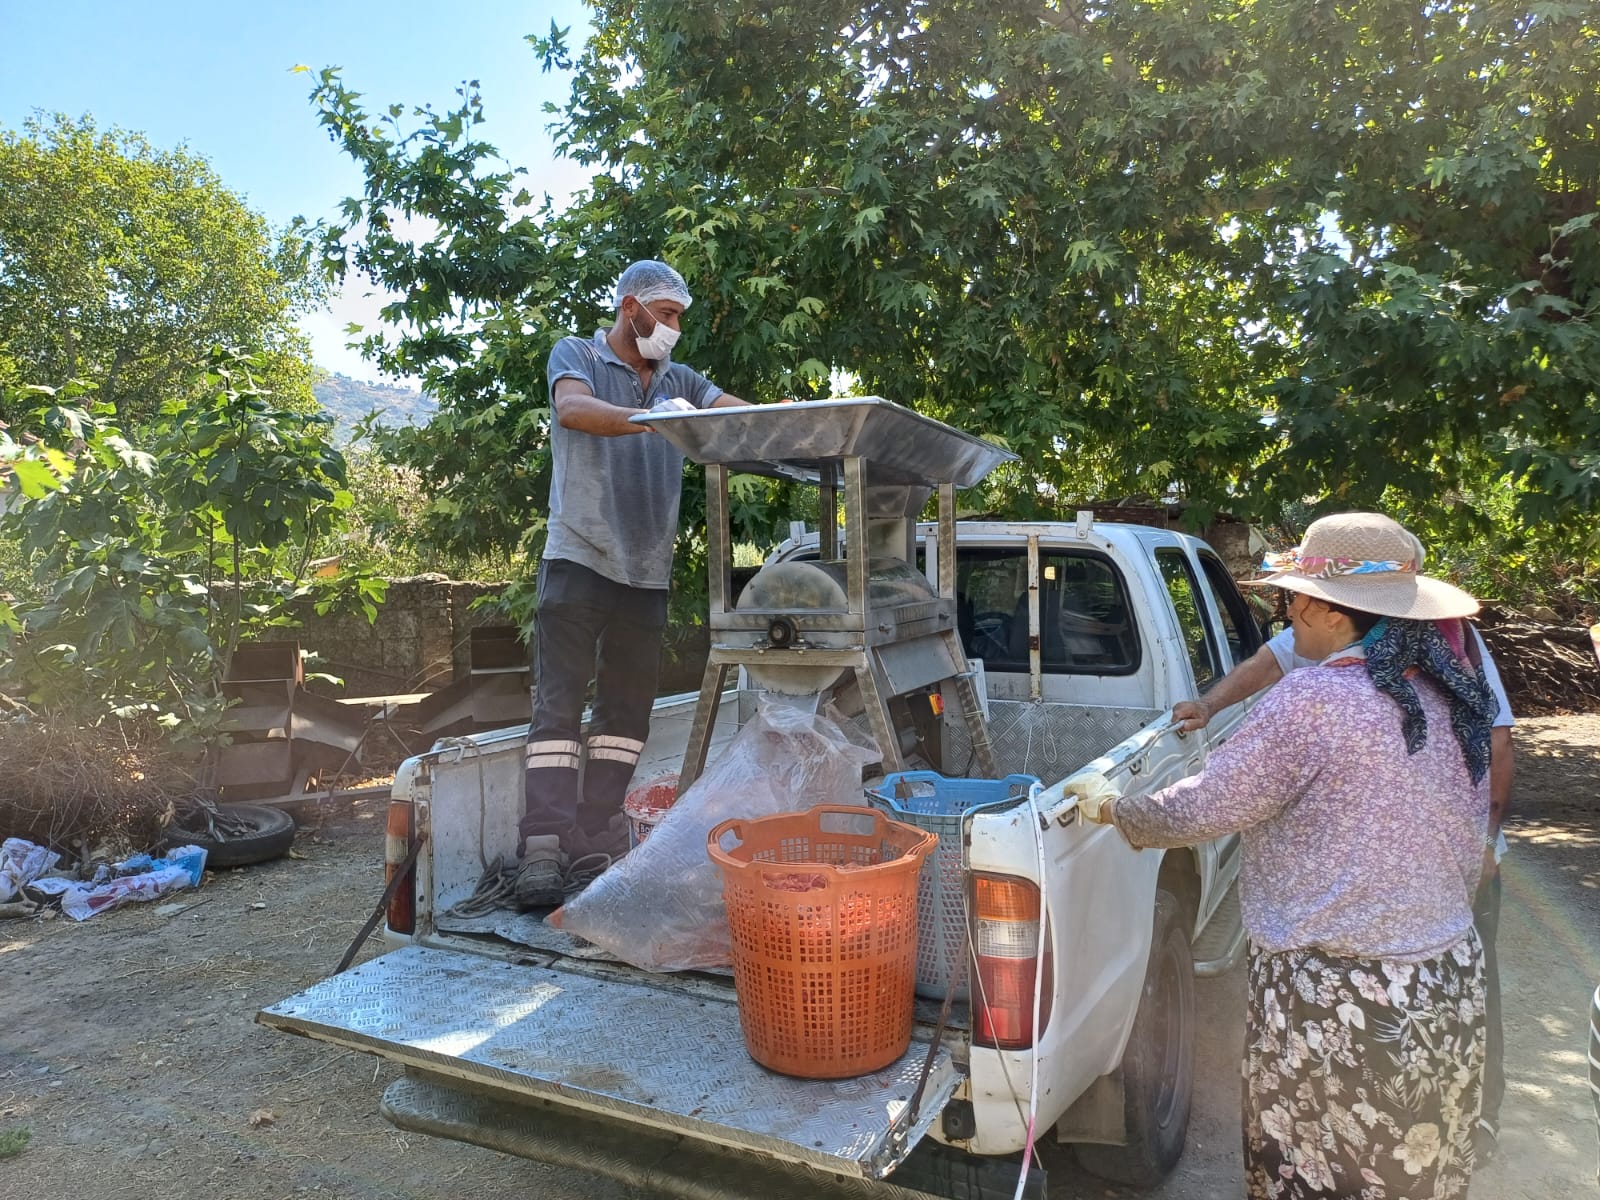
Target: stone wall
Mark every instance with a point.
(419, 641)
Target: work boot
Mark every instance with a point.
(610, 840)
(541, 875)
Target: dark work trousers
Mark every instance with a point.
(1486, 916)
(588, 628)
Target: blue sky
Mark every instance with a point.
(218, 78)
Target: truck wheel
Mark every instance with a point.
(1158, 1066)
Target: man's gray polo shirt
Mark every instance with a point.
(614, 500)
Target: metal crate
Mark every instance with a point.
(938, 805)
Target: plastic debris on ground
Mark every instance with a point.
(661, 908)
(133, 880)
(21, 862)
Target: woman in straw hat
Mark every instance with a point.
(1360, 788)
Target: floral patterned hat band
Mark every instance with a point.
(1324, 567)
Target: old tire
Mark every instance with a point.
(1158, 1065)
(270, 835)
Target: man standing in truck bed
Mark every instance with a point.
(614, 493)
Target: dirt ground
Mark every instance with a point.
(127, 1046)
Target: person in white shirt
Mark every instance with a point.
(1275, 660)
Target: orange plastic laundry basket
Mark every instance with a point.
(822, 906)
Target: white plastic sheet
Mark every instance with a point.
(21, 862)
(134, 880)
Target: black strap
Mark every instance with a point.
(933, 1050)
(377, 913)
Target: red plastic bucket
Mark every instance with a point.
(646, 804)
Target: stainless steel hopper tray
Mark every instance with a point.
(793, 441)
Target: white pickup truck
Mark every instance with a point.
(515, 1037)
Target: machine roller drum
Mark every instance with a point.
(792, 589)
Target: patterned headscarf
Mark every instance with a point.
(1395, 647)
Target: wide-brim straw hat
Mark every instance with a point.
(1368, 562)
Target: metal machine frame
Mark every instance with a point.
(888, 651)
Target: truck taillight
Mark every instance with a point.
(1005, 946)
(400, 831)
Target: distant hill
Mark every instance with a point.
(347, 400)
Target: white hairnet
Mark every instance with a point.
(649, 279)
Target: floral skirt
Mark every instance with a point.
(1362, 1077)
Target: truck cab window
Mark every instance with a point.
(1184, 591)
(1085, 625)
(1241, 633)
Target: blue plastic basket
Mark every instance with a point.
(938, 804)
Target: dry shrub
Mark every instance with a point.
(1548, 666)
(87, 790)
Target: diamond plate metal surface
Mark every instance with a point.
(1045, 739)
(529, 929)
(629, 1051)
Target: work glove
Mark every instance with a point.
(675, 404)
(1094, 794)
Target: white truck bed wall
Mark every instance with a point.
(474, 788)
(1092, 878)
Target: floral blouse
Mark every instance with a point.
(1349, 843)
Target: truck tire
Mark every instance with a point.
(271, 832)
(1158, 1065)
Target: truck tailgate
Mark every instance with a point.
(636, 1053)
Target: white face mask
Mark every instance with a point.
(659, 344)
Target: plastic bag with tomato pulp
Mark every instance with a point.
(660, 907)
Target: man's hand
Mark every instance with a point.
(1260, 670)
(1502, 770)
(1191, 715)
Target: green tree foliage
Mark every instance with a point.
(384, 530)
(1249, 253)
(153, 553)
(123, 263)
